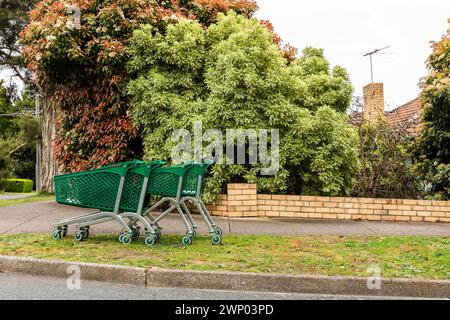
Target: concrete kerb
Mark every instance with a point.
(233, 281)
(296, 284)
(59, 269)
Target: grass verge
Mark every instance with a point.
(35, 197)
(398, 257)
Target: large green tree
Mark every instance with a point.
(77, 51)
(13, 18)
(18, 134)
(432, 151)
(232, 76)
(7, 109)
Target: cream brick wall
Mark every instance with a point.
(242, 200)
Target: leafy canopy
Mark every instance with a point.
(432, 151)
(81, 65)
(13, 18)
(232, 75)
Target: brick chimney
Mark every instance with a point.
(374, 102)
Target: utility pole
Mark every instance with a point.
(370, 54)
(37, 111)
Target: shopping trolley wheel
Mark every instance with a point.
(216, 239)
(186, 241)
(192, 234)
(79, 236)
(85, 232)
(64, 231)
(158, 234)
(125, 239)
(57, 234)
(218, 231)
(150, 240)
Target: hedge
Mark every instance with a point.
(19, 185)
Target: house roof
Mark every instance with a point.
(408, 112)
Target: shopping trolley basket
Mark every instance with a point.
(117, 192)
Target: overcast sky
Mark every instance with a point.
(347, 29)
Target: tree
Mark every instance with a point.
(81, 67)
(432, 150)
(13, 18)
(19, 131)
(384, 153)
(233, 76)
(7, 124)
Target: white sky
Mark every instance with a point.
(347, 29)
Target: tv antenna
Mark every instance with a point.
(370, 54)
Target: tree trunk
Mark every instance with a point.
(49, 165)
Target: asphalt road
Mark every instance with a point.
(23, 287)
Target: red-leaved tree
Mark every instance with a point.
(77, 51)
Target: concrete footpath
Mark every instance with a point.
(13, 196)
(39, 217)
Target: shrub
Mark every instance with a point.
(83, 69)
(232, 76)
(19, 185)
(432, 150)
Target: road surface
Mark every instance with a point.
(23, 287)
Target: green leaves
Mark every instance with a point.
(432, 150)
(232, 76)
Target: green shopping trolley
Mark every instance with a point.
(117, 192)
(178, 186)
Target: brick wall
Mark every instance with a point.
(242, 200)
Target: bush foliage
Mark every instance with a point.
(82, 67)
(233, 76)
(432, 150)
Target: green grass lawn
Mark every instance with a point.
(33, 197)
(398, 257)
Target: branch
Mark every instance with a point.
(19, 147)
(15, 70)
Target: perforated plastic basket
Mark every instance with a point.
(191, 179)
(165, 181)
(97, 189)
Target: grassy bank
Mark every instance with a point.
(398, 257)
(33, 197)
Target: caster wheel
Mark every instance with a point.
(218, 231)
(150, 241)
(79, 236)
(85, 234)
(192, 234)
(216, 239)
(126, 239)
(64, 231)
(57, 234)
(186, 241)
